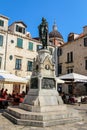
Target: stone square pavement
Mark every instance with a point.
(5, 124)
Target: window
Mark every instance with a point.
(29, 66)
(30, 46)
(70, 89)
(59, 51)
(69, 70)
(10, 57)
(51, 51)
(86, 64)
(59, 69)
(69, 57)
(1, 40)
(20, 29)
(18, 64)
(0, 62)
(85, 41)
(1, 23)
(19, 42)
(39, 47)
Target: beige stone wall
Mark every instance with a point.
(79, 54)
(78, 64)
(2, 48)
(5, 19)
(22, 53)
(10, 49)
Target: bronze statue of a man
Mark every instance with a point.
(43, 32)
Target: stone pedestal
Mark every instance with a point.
(42, 105)
(43, 101)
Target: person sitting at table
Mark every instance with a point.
(5, 94)
(22, 94)
(1, 92)
(13, 94)
(16, 99)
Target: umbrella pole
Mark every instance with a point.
(73, 86)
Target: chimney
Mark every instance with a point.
(85, 29)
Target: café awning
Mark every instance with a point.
(6, 77)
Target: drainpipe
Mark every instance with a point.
(6, 50)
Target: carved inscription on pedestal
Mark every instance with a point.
(48, 83)
(34, 83)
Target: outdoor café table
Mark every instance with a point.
(21, 100)
(3, 103)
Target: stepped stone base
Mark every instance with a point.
(41, 119)
(55, 108)
(42, 110)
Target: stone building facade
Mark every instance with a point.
(72, 57)
(17, 51)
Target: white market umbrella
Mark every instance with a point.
(6, 77)
(74, 77)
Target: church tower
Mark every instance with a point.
(55, 36)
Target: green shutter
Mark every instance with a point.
(30, 47)
(1, 23)
(1, 40)
(29, 66)
(17, 28)
(19, 42)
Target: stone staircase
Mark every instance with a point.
(23, 117)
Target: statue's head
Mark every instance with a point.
(43, 19)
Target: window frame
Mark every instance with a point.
(1, 40)
(1, 23)
(69, 70)
(0, 62)
(18, 64)
(20, 29)
(59, 51)
(20, 45)
(85, 64)
(70, 89)
(29, 65)
(85, 41)
(59, 69)
(30, 46)
(69, 57)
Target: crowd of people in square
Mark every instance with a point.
(12, 99)
(16, 98)
(72, 98)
